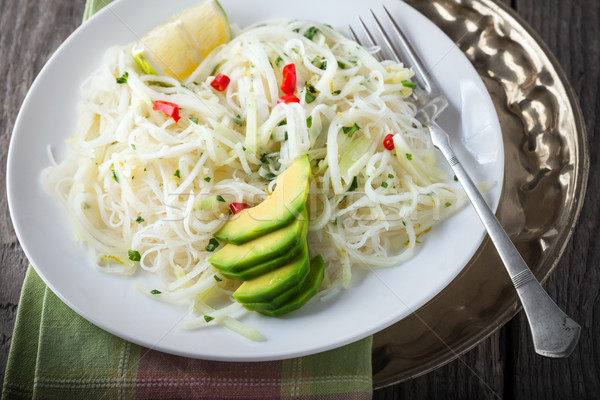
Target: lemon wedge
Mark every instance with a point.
(178, 45)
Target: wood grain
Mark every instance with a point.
(504, 366)
(31, 32)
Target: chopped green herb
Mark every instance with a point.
(134, 255)
(86, 206)
(323, 65)
(448, 204)
(384, 185)
(212, 245)
(455, 178)
(185, 87)
(310, 87)
(207, 179)
(341, 65)
(311, 32)
(154, 291)
(409, 156)
(177, 174)
(278, 60)
(194, 120)
(243, 148)
(349, 130)
(353, 185)
(390, 176)
(123, 78)
(403, 223)
(309, 97)
(133, 146)
(133, 177)
(139, 219)
(334, 222)
(336, 92)
(217, 278)
(220, 198)
(297, 30)
(285, 135)
(238, 120)
(269, 176)
(264, 159)
(309, 121)
(408, 84)
(208, 318)
(215, 69)
(282, 122)
(114, 175)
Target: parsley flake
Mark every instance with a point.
(134, 255)
(238, 120)
(123, 78)
(139, 219)
(208, 318)
(220, 198)
(114, 175)
(207, 179)
(390, 176)
(409, 156)
(309, 121)
(194, 120)
(278, 60)
(212, 245)
(349, 130)
(309, 97)
(408, 84)
(177, 174)
(154, 291)
(384, 185)
(341, 65)
(311, 32)
(217, 278)
(455, 178)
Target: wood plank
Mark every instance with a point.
(31, 31)
(571, 31)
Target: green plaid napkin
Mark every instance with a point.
(56, 354)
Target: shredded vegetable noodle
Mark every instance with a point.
(146, 191)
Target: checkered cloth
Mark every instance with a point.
(56, 354)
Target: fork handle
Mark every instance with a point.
(554, 333)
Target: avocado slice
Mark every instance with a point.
(273, 245)
(278, 210)
(267, 266)
(270, 285)
(290, 300)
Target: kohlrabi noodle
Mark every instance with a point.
(135, 180)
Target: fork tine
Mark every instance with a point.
(384, 35)
(370, 38)
(368, 35)
(415, 61)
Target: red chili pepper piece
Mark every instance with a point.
(388, 142)
(288, 98)
(237, 207)
(220, 82)
(170, 109)
(289, 79)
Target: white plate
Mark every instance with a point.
(376, 300)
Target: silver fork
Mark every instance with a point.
(554, 333)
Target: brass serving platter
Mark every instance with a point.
(545, 177)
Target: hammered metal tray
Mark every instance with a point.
(546, 169)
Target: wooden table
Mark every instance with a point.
(503, 366)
